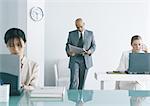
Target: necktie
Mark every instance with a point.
(80, 43)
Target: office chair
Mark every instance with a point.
(62, 73)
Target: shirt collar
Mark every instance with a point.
(82, 33)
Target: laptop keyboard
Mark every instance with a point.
(138, 73)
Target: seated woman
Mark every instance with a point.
(137, 47)
(15, 41)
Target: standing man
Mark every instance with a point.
(80, 63)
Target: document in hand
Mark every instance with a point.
(75, 49)
(47, 93)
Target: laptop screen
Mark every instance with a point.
(139, 63)
(10, 72)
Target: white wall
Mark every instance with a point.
(8, 19)
(113, 23)
(35, 38)
(12, 15)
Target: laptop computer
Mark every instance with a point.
(10, 73)
(139, 63)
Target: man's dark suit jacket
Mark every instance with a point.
(89, 44)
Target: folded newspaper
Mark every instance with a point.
(75, 49)
(47, 93)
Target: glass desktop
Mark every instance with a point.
(84, 98)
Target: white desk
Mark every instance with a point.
(120, 77)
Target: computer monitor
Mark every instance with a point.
(10, 72)
(139, 63)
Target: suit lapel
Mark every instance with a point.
(76, 38)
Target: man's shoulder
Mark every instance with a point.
(89, 31)
(73, 31)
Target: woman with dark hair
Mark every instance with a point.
(137, 47)
(15, 41)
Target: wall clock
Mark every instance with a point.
(36, 13)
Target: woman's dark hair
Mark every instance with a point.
(14, 33)
(135, 37)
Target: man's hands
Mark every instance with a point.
(89, 52)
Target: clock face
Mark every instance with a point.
(36, 13)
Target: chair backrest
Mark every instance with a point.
(62, 68)
(62, 73)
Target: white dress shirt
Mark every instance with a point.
(29, 74)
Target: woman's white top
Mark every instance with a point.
(29, 74)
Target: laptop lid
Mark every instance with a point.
(10, 72)
(139, 63)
